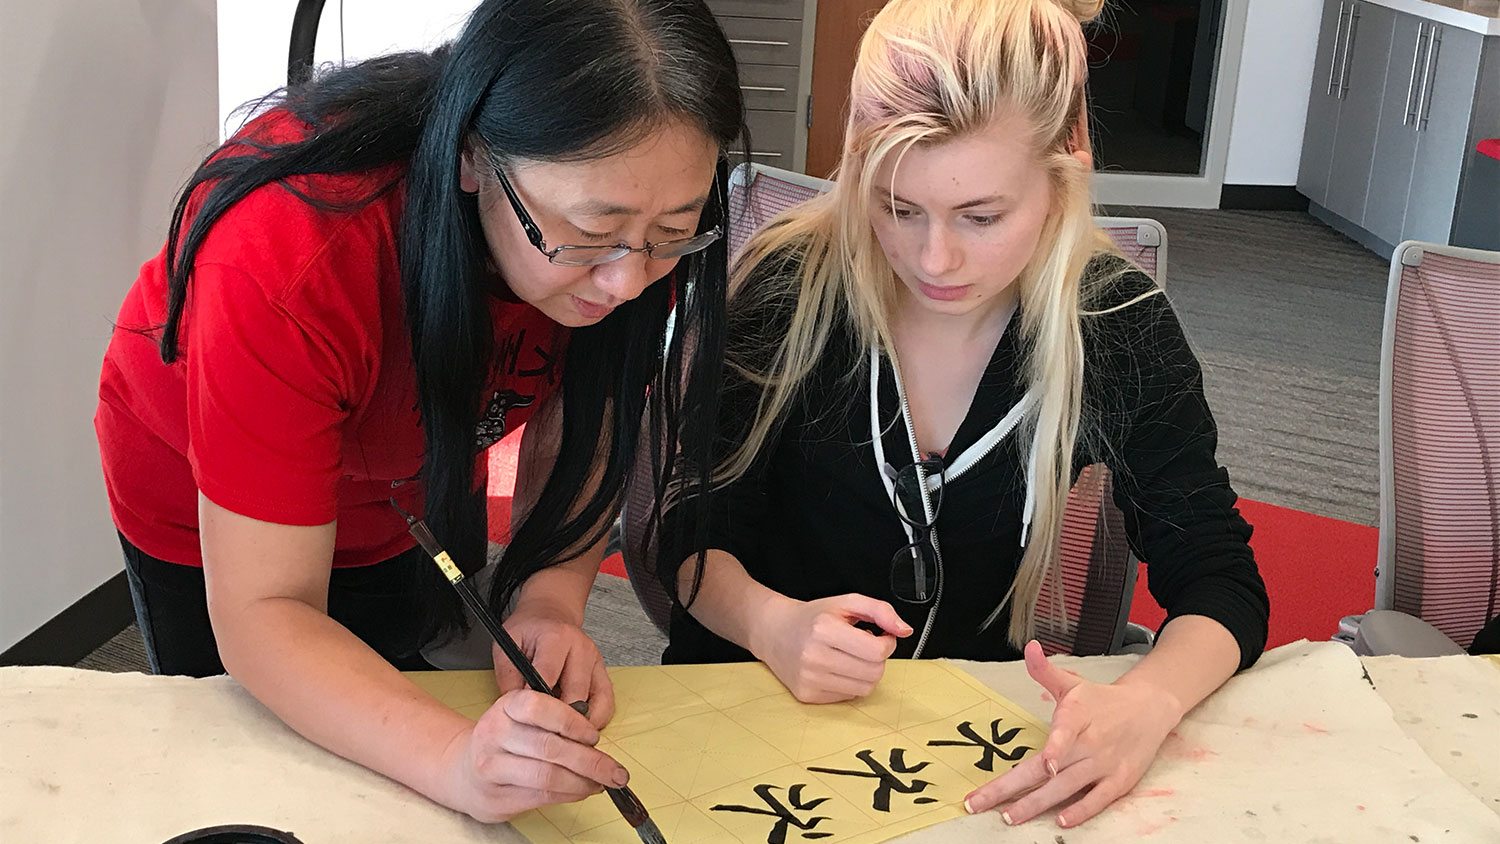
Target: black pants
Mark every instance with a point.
(375, 603)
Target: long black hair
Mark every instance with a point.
(526, 79)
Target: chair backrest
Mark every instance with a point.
(757, 193)
(1439, 552)
(1098, 571)
(1142, 240)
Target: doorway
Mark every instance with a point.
(1151, 67)
(1161, 77)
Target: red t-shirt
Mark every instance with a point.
(293, 399)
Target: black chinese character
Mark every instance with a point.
(990, 747)
(887, 776)
(782, 813)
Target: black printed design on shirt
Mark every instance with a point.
(491, 428)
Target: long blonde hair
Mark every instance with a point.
(929, 71)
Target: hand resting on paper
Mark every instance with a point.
(1103, 739)
(816, 650)
(1105, 736)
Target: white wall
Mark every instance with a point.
(107, 107)
(254, 37)
(1270, 104)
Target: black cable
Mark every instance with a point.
(299, 61)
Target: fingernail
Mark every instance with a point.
(622, 777)
(1006, 817)
(1052, 767)
(1061, 821)
(968, 807)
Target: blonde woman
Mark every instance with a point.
(919, 364)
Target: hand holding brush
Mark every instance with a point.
(625, 801)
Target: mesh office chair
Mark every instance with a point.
(1098, 571)
(1439, 552)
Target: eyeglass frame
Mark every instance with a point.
(922, 531)
(534, 234)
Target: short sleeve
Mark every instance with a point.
(266, 399)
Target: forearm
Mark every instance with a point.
(1192, 657)
(333, 689)
(562, 591)
(729, 602)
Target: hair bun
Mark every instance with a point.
(1083, 10)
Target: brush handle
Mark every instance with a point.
(624, 799)
(503, 639)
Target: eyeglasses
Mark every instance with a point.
(914, 568)
(589, 256)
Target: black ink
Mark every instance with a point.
(889, 782)
(783, 813)
(991, 747)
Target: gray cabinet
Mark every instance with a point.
(1322, 107)
(1441, 124)
(772, 42)
(1345, 106)
(1362, 70)
(1396, 100)
(1396, 143)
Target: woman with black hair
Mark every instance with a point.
(364, 288)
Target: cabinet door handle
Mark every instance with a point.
(1333, 57)
(1410, 116)
(1348, 42)
(753, 43)
(774, 90)
(1424, 102)
(765, 155)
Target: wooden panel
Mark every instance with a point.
(836, 42)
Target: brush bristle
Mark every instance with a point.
(649, 833)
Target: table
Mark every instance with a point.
(1303, 747)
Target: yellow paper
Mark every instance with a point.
(724, 753)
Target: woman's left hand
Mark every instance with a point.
(1103, 739)
(563, 654)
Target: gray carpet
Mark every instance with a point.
(1286, 316)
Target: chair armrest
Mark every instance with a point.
(1392, 633)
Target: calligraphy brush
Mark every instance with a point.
(624, 799)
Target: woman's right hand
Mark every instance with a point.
(528, 750)
(816, 651)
